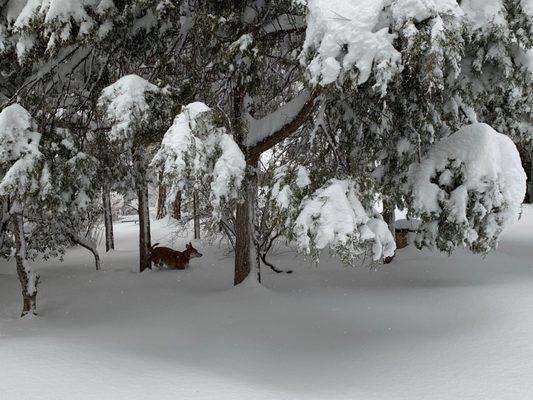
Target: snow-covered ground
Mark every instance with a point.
(425, 327)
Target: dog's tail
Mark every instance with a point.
(152, 248)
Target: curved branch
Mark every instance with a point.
(291, 116)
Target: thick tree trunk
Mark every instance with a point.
(89, 245)
(28, 279)
(196, 215)
(161, 198)
(177, 206)
(390, 218)
(108, 220)
(246, 256)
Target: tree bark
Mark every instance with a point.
(177, 206)
(144, 229)
(161, 198)
(4, 220)
(390, 218)
(245, 254)
(530, 194)
(89, 245)
(108, 220)
(28, 279)
(196, 216)
(143, 210)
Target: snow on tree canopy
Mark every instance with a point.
(345, 37)
(182, 154)
(59, 16)
(19, 151)
(419, 10)
(482, 12)
(343, 34)
(333, 216)
(229, 168)
(467, 189)
(193, 148)
(125, 104)
(178, 143)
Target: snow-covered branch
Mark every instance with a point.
(268, 131)
(334, 217)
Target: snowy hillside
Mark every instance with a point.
(426, 326)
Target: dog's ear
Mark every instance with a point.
(188, 245)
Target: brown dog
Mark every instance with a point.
(173, 258)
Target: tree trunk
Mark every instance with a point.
(89, 245)
(4, 220)
(108, 220)
(28, 279)
(196, 216)
(161, 198)
(144, 229)
(530, 191)
(143, 210)
(177, 206)
(390, 218)
(246, 256)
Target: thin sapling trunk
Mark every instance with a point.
(108, 220)
(161, 198)
(28, 278)
(89, 245)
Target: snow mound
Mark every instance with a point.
(125, 103)
(468, 188)
(333, 216)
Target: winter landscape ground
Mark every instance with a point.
(426, 326)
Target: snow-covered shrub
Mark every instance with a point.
(334, 217)
(467, 189)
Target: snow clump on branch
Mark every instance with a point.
(467, 189)
(125, 104)
(333, 216)
(19, 152)
(194, 150)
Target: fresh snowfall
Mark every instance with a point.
(258, 199)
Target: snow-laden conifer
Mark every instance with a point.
(467, 189)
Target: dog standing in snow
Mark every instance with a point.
(173, 258)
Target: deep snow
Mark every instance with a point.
(426, 326)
